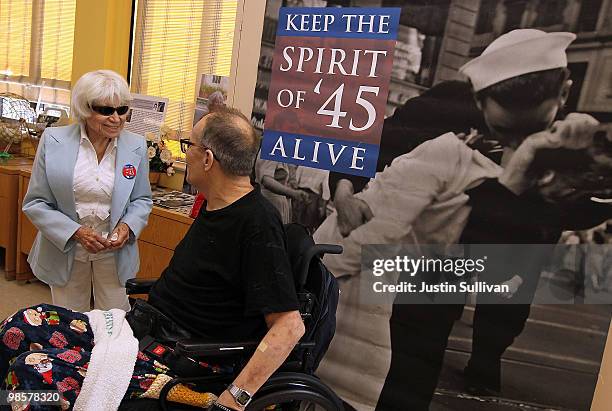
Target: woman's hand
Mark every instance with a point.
(120, 236)
(575, 132)
(91, 240)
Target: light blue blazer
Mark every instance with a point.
(50, 205)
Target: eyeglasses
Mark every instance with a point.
(186, 143)
(109, 111)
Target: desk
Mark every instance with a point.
(9, 211)
(158, 240)
(26, 232)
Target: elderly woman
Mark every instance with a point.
(89, 196)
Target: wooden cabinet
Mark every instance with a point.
(164, 229)
(9, 211)
(153, 259)
(159, 239)
(26, 231)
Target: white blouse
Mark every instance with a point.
(93, 187)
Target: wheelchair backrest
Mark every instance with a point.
(318, 294)
(298, 244)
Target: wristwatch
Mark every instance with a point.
(242, 397)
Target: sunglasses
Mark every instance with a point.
(186, 143)
(109, 111)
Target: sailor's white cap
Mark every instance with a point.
(516, 53)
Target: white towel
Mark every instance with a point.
(112, 362)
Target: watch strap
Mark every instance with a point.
(221, 407)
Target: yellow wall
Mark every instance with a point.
(101, 36)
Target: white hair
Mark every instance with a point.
(98, 87)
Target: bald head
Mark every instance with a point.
(232, 139)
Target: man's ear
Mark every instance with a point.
(546, 178)
(208, 160)
(565, 90)
(477, 102)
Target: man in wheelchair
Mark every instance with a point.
(230, 279)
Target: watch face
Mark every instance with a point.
(243, 398)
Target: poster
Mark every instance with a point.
(146, 114)
(330, 81)
(212, 92)
(551, 353)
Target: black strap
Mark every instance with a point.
(220, 407)
(145, 342)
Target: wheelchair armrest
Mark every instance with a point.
(316, 250)
(205, 348)
(320, 249)
(139, 285)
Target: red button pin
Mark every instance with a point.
(129, 171)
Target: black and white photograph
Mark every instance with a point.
(497, 132)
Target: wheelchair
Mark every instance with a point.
(293, 387)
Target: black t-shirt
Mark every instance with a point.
(230, 270)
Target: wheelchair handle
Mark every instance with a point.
(320, 249)
(139, 285)
(317, 250)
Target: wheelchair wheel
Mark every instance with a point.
(293, 400)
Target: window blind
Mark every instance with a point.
(38, 36)
(15, 35)
(57, 40)
(175, 43)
